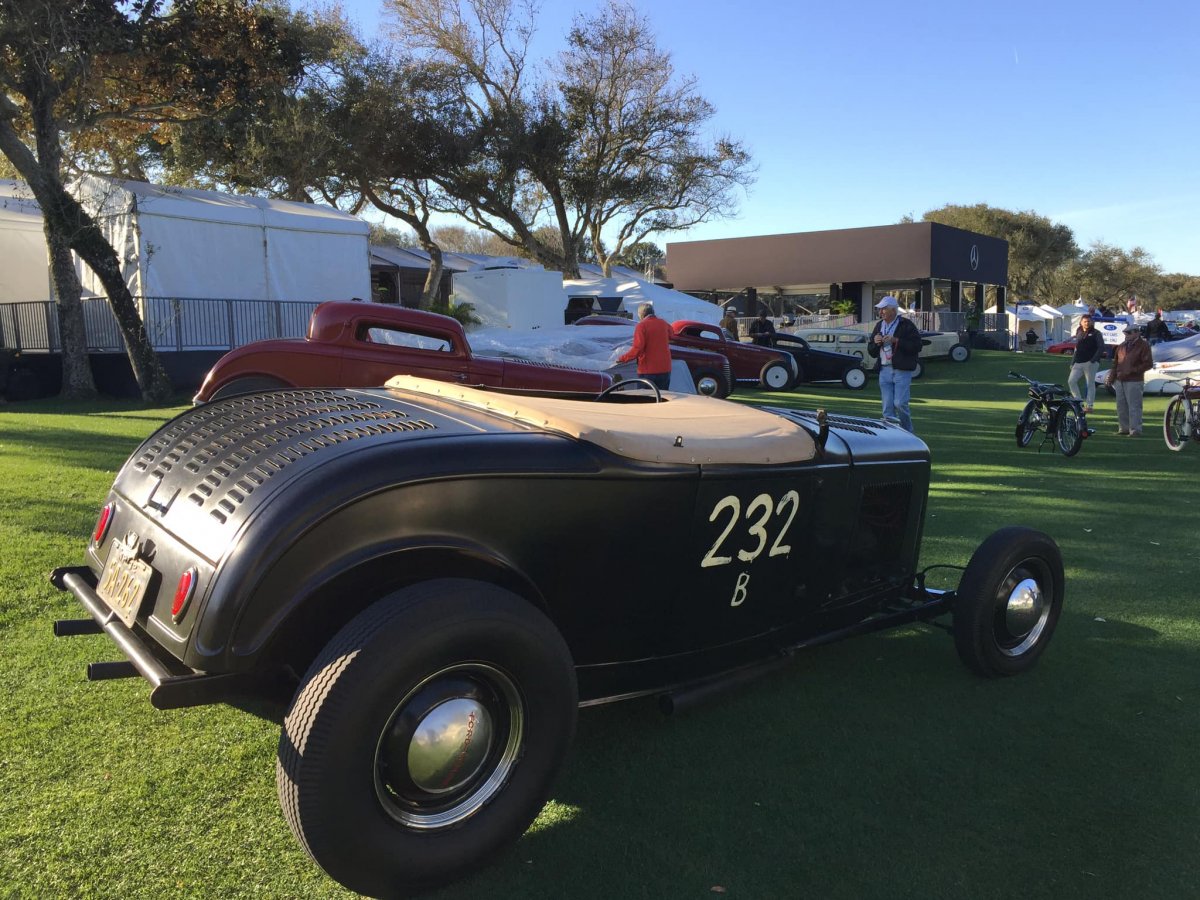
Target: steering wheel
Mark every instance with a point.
(644, 382)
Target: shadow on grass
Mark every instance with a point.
(881, 762)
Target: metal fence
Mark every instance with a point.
(172, 323)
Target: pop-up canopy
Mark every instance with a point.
(187, 243)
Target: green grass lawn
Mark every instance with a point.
(878, 767)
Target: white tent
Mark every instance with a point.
(669, 305)
(1057, 323)
(25, 270)
(186, 243)
(1027, 317)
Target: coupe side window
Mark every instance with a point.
(854, 339)
(397, 337)
(820, 338)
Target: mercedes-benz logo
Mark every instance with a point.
(974, 257)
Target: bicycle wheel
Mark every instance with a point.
(1176, 426)
(1068, 430)
(1027, 423)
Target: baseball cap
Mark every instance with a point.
(889, 300)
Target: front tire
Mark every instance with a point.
(1008, 602)
(1027, 423)
(919, 370)
(960, 353)
(1068, 431)
(855, 379)
(1176, 427)
(424, 739)
(776, 376)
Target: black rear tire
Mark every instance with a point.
(1008, 602)
(919, 370)
(383, 773)
(1068, 430)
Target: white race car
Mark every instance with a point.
(1164, 378)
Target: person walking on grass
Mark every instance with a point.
(895, 344)
(1131, 360)
(651, 348)
(1089, 349)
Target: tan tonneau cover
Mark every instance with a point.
(684, 428)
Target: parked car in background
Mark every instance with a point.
(775, 370)
(1066, 348)
(423, 576)
(944, 344)
(1165, 378)
(351, 344)
(821, 365)
(853, 342)
(710, 371)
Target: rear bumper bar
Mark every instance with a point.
(171, 686)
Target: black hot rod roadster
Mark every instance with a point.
(434, 578)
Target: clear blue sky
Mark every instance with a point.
(859, 114)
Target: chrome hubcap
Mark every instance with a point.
(1023, 615)
(706, 386)
(449, 746)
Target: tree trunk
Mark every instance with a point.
(431, 295)
(94, 250)
(66, 219)
(77, 382)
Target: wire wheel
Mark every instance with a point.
(1068, 430)
(1028, 422)
(1177, 424)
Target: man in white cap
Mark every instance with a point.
(895, 344)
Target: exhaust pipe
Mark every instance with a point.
(683, 699)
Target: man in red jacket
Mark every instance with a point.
(651, 348)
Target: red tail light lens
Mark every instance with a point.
(102, 523)
(183, 593)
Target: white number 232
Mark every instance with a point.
(758, 515)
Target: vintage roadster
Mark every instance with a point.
(428, 576)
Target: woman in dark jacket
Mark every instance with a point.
(1089, 350)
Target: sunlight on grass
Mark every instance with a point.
(870, 768)
(553, 815)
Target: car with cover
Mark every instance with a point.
(710, 371)
(356, 344)
(423, 575)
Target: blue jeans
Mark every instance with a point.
(894, 387)
(661, 380)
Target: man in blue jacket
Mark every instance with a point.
(895, 344)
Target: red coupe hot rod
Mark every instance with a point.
(354, 344)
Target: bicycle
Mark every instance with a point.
(1052, 409)
(1181, 421)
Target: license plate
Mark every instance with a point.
(124, 582)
